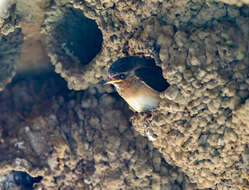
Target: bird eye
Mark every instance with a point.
(122, 76)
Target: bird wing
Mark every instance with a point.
(153, 77)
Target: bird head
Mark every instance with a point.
(124, 68)
(133, 67)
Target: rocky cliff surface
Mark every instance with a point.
(84, 140)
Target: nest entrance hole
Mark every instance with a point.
(78, 35)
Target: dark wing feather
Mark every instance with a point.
(153, 77)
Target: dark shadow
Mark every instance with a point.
(24, 180)
(78, 35)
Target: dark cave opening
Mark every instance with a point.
(23, 180)
(78, 35)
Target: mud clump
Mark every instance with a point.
(9, 20)
(84, 140)
(10, 52)
(22, 99)
(197, 124)
(77, 144)
(131, 28)
(235, 2)
(11, 39)
(73, 41)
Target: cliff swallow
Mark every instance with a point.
(138, 81)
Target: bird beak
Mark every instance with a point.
(111, 81)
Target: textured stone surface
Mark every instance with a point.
(128, 28)
(21, 44)
(84, 141)
(11, 39)
(73, 42)
(10, 51)
(203, 49)
(201, 125)
(8, 17)
(235, 2)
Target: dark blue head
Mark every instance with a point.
(126, 64)
(142, 68)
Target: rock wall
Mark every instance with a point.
(200, 129)
(194, 123)
(11, 39)
(202, 47)
(10, 52)
(83, 141)
(234, 2)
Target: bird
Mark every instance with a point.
(139, 81)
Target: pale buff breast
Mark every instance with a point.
(139, 96)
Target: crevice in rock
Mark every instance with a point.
(73, 43)
(9, 55)
(78, 35)
(24, 180)
(19, 180)
(82, 134)
(75, 39)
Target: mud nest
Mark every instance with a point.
(73, 40)
(10, 50)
